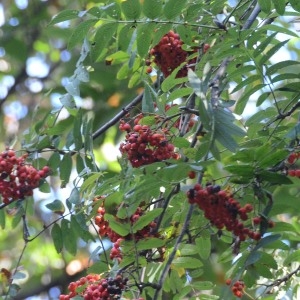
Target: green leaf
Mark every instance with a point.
(90, 182)
(67, 100)
(171, 81)
(113, 10)
(225, 129)
(149, 98)
(98, 267)
(283, 227)
(117, 57)
(187, 263)
(146, 219)
(64, 15)
(102, 38)
(61, 126)
(265, 5)
(173, 8)
(54, 161)
(149, 243)
(293, 257)
(195, 82)
(295, 5)
(176, 171)
(80, 32)
(152, 8)
(243, 100)
(144, 38)
(188, 249)
(268, 259)
(180, 93)
(247, 82)
(57, 237)
(267, 240)
(253, 258)
(69, 237)
(261, 115)
(77, 131)
(122, 229)
(2, 218)
(65, 169)
(75, 196)
(204, 247)
(81, 229)
(202, 285)
(57, 207)
(271, 52)
(279, 6)
(274, 178)
(281, 29)
(131, 9)
(241, 170)
(280, 65)
(264, 44)
(273, 158)
(180, 142)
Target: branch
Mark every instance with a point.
(173, 253)
(118, 116)
(283, 279)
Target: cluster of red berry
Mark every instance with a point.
(144, 146)
(168, 55)
(293, 157)
(222, 210)
(237, 288)
(116, 239)
(18, 179)
(93, 287)
(294, 173)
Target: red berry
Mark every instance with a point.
(192, 174)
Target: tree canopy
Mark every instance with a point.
(149, 149)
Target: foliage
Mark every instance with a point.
(202, 202)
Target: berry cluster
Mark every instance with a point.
(294, 173)
(93, 287)
(293, 157)
(18, 179)
(168, 55)
(116, 239)
(222, 210)
(237, 288)
(144, 146)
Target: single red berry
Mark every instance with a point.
(192, 174)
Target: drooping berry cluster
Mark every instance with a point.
(93, 287)
(17, 178)
(168, 55)
(237, 288)
(144, 146)
(115, 238)
(222, 210)
(293, 157)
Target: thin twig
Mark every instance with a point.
(118, 116)
(173, 253)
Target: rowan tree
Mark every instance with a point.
(157, 153)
